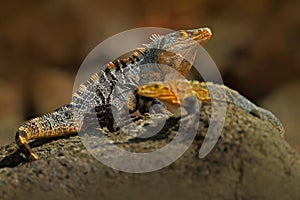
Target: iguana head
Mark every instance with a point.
(176, 93)
(172, 93)
(159, 90)
(179, 48)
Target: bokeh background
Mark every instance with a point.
(42, 44)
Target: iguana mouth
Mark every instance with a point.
(147, 94)
(202, 34)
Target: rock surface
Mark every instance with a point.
(250, 161)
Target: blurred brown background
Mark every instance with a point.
(42, 44)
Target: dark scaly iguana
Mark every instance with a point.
(176, 50)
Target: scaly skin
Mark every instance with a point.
(177, 93)
(176, 50)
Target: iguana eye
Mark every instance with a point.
(183, 34)
(155, 86)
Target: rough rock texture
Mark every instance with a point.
(250, 161)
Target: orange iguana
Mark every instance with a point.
(175, 94)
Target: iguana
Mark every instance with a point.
(177, 50)
(176, 93)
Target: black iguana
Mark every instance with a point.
(176, 50)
